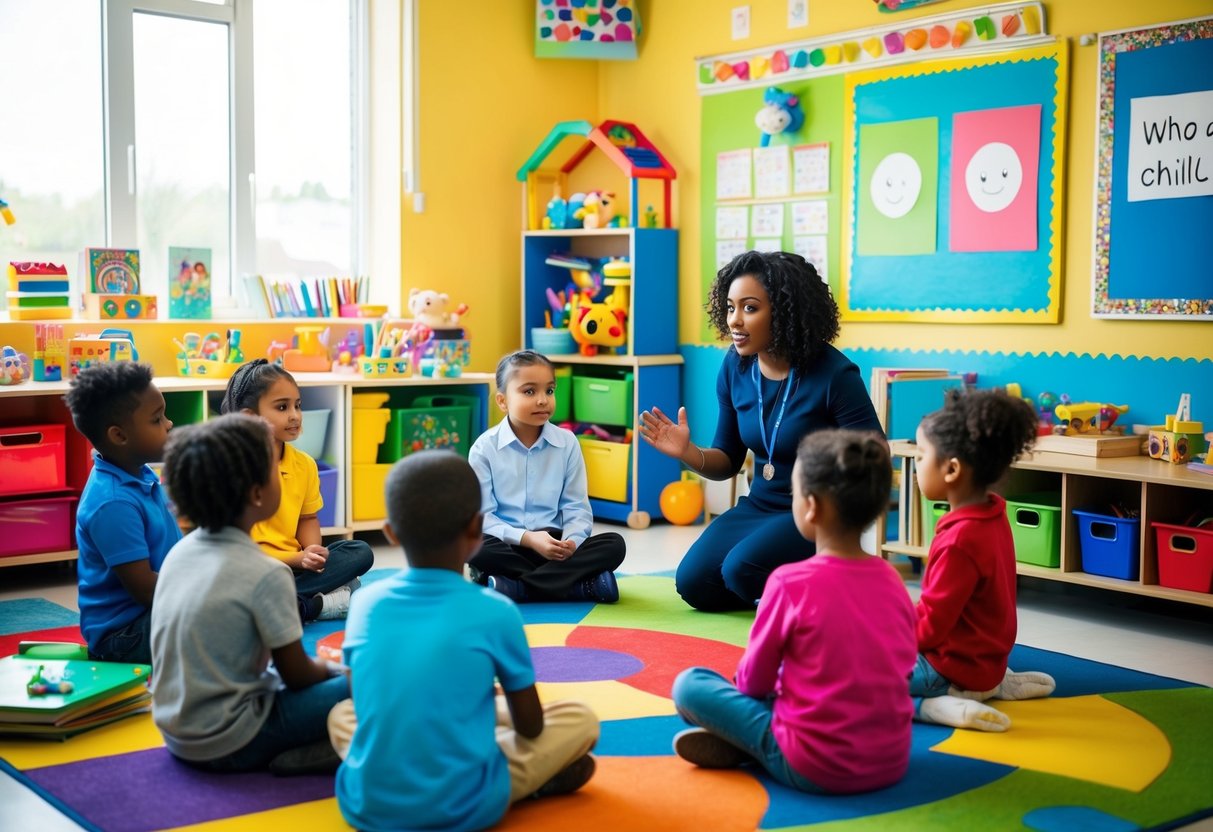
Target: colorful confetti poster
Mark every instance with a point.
(898, 185)
(595, 29)
(995, 160)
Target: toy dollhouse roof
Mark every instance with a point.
(622, 142)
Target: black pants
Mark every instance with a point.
(550, 580)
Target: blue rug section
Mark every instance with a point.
(1082, 677)
(25, 614)
(1076, 819)
(649, 736)
(1147, 385)
(568, 612)
(932, 776)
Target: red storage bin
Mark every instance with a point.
(32, 459)
(1185, 557)
(30, 527)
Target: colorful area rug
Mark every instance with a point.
(1114, 749)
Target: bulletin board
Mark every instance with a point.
(1154, 173)
(953, 189)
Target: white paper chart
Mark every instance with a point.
(732, 222)
(771, 171)
(726, 250)
(810, 217)
(767, 220)
(772, 244)
(811, 168)
(814, 250)
(733, 174)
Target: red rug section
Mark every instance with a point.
(8, 644)
(665, 655)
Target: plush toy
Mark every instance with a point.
(597, 210)
(599, 325)
(430, 308)
(781, 113)
(562, 213)
(14, 366)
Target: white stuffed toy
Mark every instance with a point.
(430, 308)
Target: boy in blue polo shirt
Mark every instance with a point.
(433, 747)
(123, 525)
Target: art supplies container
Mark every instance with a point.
(30, 527)
(443, 422)
(328, 492)
(1185, 557)
(1109, 545)
(604, 399)
(312, 438)
(1036, 527)
(32, 459)
(552, 341)
(607, 468)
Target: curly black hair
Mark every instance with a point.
(852, 469)
(804, 316)
(249, 383)
(104, 395)
(211, 467)
(985, 429)
(431, 498)
(520, 358)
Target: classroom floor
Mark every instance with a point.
(1143, 634)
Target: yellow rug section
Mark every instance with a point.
(608, 698)
(548, 635)
(317, 814)
(1084, 737)
(137, 733)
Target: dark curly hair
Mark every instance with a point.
(804, 316)
(431, 498)
(249, 383)
(211, 467)
(985, 429)
(104, 395)
(852, 469)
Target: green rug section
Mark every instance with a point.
(645, 604)
(1183, 789)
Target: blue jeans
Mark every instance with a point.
(298, 718)
(132, 643)
(727, 567)
(705, 698)
(347, 560)
(926, 683)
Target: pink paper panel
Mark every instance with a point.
(995, 159)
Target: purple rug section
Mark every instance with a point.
(582, 664)
(146, 790)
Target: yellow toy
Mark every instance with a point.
(312, 355)
(604, 324)
(1180, 438)
(1089, 417)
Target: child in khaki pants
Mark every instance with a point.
(434, 743)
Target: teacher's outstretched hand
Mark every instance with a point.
(780, 380)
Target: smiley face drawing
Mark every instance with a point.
(993, 177)
(896, 184)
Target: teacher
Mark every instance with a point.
(780, 380)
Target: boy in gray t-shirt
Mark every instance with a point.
(223, 609)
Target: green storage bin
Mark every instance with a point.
(603, 399)
(564, 394)
(932, 510)
(443, 422)
(1036, 526)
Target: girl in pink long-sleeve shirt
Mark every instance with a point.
(821, 699)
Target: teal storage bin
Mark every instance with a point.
(443, 422)
(603, 399)
(1036, 527)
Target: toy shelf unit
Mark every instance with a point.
(1130, 524)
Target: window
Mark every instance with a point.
(234, 125)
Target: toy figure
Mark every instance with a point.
(781, 113)
(599, 325)
(39, 685)
(6, 213)
(597, 210)
(14, 366)
(430, 308)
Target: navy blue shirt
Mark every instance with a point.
(830, 394)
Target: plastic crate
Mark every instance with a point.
(443, 422)
(1036, 527)
(367, 482)
(603, 400)
(932, 510)
(369, 431)
(328, 492)
(315, 431)
(607, 468)
(1109, 545)
(33, 459)
(31, 526)
(564, 394)
(1185, 557)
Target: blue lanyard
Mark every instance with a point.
(762, 428)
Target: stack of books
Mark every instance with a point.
(902, 396)
(101, 693)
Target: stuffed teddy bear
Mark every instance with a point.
(430, 308)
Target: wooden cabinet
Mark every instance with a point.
(1158, 491)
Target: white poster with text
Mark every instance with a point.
(1171, 146)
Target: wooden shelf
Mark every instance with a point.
(615, 360)
(41, 557)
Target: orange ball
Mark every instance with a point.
(681, 502)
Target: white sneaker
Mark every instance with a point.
(336, 603)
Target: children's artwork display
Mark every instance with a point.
(1154, 173)
(112, 271)
(577, 29)
(189, 283)
(811, 168)
(953, 175)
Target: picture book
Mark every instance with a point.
(99, 691)
(189, 283)
(111, 271)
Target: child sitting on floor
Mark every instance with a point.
(821, 700)
(966, 613)
(124, 528)
(324, 576)
(223, 609)
(537, 520)
(432, 746)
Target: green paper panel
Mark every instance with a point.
(887, 183)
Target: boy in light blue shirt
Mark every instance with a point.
(432, 745)
(537, 521)
(124, 527)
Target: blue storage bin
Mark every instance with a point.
(1109, 545)
(328, 492)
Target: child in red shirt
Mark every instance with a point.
(966, 613)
